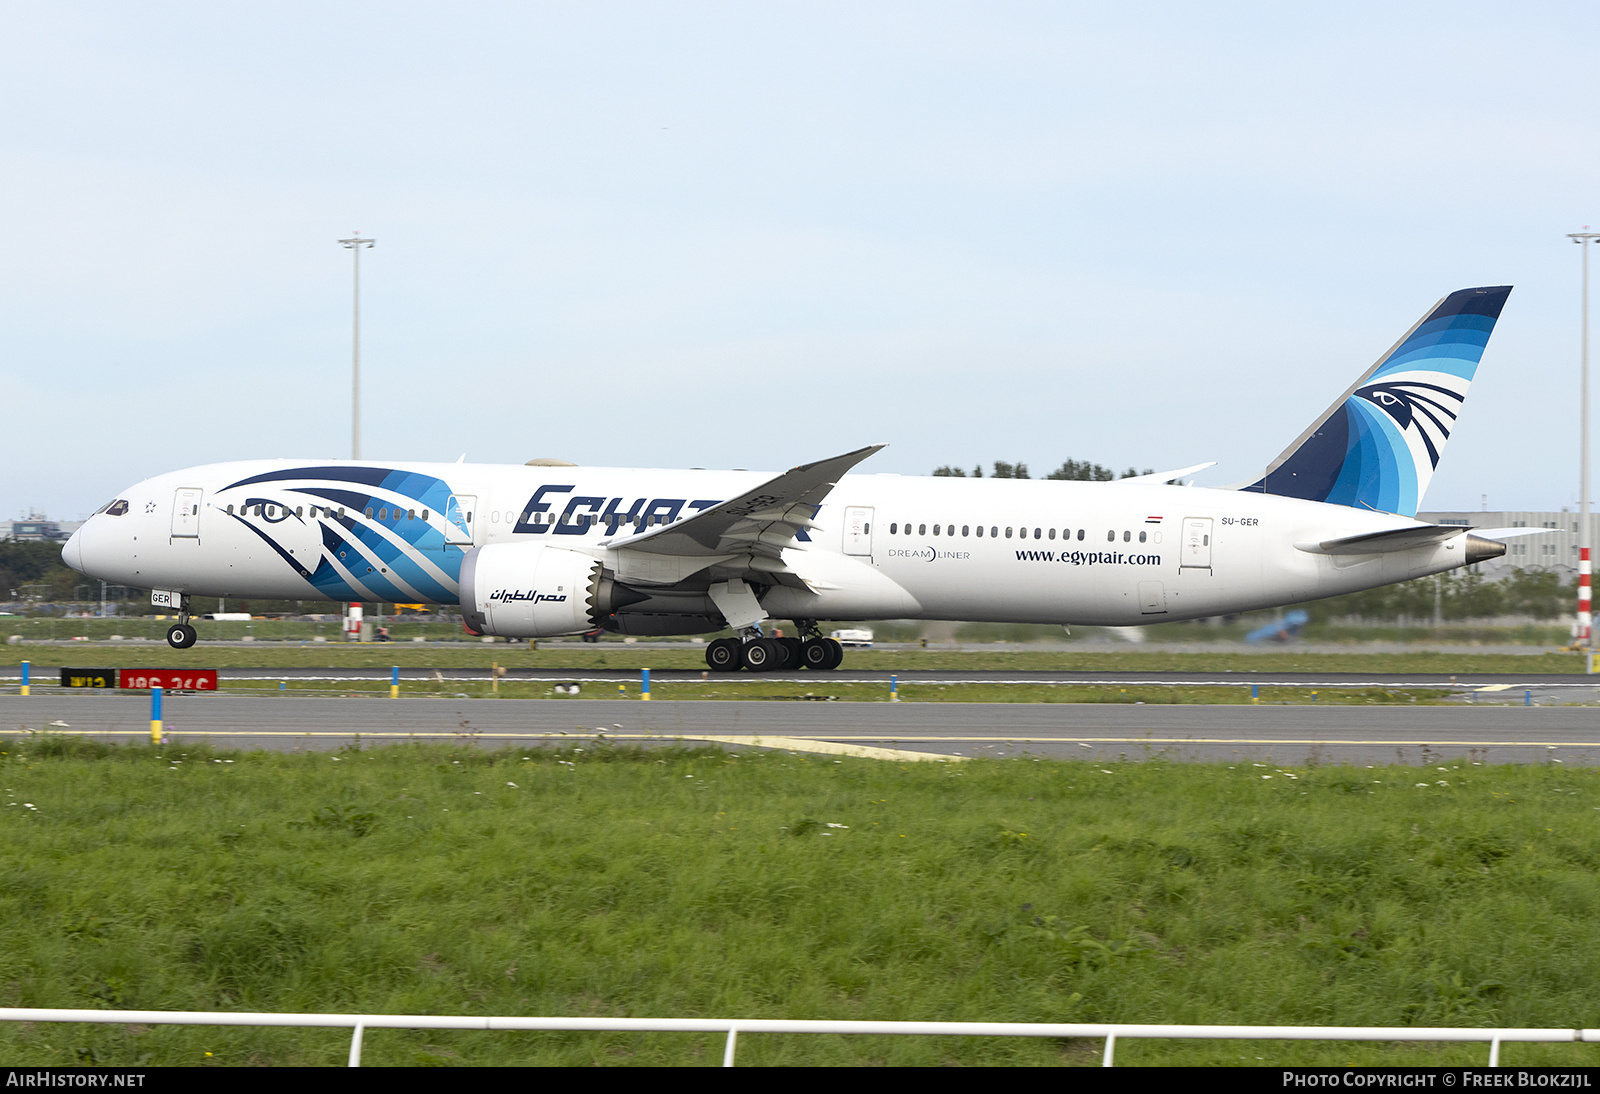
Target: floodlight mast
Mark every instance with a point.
(355, 245)
(1585, 617)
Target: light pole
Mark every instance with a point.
(1585, 631)
(355, 245)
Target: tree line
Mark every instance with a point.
(1458, 595)
(1077, 470)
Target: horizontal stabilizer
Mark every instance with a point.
(1478, 549)
(1507, 533)
(1379, 543)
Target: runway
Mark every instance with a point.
(1536, 688)
(1278, 734)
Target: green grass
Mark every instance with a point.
(687, 882)
(577, 657)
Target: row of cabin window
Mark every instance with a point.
(585, 519)
(1022, 533)
(299, 511)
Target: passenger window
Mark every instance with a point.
(298, 511)
(935, 529)
(341, 511)
(993, 531)
(1008, 532)
(966, 530)
(1036, 534)
(1111, 537)
(411, 514)
(1126, 536)
(980, 531)
(1080, 533)
(922, 529)
(424, 514)
(950, 530)
(894, 529)
(230, 510)
(1141, 537)
(383, 514)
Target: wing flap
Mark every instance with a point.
(761, 522)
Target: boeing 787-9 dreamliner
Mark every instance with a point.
(551, 549)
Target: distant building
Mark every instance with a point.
(36, 529)
(1554, 547)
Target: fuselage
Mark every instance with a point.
(881, 546)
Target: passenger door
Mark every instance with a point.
(460, 518)
(1195, 555)
(186, 512)
(858, 530)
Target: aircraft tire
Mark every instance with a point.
(180, 636)
(723, 655)
(817, 655)
(790, 649)
(761, 655)
(837, 649)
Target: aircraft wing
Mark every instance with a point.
(760, 522)
(1168, 476)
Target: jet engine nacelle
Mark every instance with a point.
(532, 590)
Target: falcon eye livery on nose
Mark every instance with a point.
(548, 549)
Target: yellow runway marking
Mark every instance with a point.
(792, 744)
(832, 742)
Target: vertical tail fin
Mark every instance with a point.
(1377, 447)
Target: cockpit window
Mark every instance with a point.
(117, 508)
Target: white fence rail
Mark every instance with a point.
(732, 1027)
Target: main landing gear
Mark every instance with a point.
(759, 654)
(181, 635)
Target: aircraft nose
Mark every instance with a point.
(72, 550)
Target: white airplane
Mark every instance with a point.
(551, 548)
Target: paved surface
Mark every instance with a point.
(1478, 688)
(43, 673)
(1348, 734)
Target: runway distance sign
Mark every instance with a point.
(168, 679)
(88, 678)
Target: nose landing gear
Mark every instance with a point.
(182, 635)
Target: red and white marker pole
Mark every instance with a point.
(1584, 617)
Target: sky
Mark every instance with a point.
(754, 235)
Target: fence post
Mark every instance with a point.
(644, 683)
(355, 1046)
(394, 682)
(25, 667)
(894, 689)
(1494, 1052)
(727, 1050)
(1111, 1047)
(155, 716)
(1255, 693)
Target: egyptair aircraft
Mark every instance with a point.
(552, 548)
